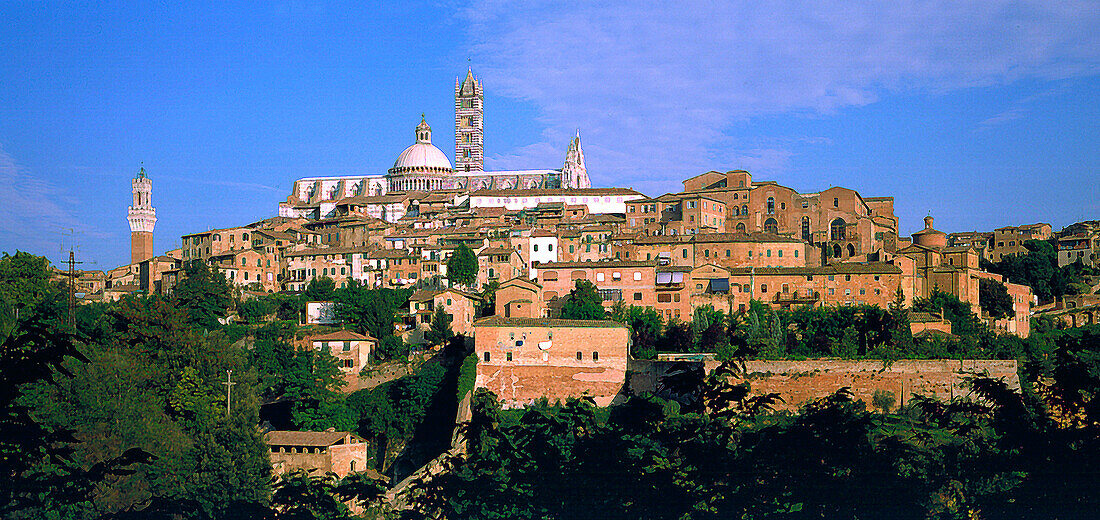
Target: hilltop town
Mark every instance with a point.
(384, 326)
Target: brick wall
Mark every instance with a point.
(799, 382)
(545, 364)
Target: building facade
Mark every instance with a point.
(523, 360)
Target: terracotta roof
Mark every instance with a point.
(583, 192)
(341, 335)
(500, 321)
(601, 264)
(845, 268)
(296, 438)
(742, 237)
(325, 251)
(496, 251)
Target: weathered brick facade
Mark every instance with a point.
(525, 359)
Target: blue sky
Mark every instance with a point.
(983, 113)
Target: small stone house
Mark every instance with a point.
(342, 453)
(351, 349)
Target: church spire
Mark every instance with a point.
(574, 175)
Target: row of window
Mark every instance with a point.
(508, 356)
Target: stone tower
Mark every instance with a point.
(142, 217)
(469, 125)
(574, 175)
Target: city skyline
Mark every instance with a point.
(972, 114)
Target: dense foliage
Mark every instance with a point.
(1010, 455)
(462, 266)
(127, 415)
(1038, 269)
(583, 303)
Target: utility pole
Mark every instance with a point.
(228, 390)
(71, 275)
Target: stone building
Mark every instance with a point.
(460, 306)
(423, 167)
(342, 453)
(351, 350)
(522, 360)
(839, 221)
(631, 282)
(519, 298)
(725, 249)
(142, 217)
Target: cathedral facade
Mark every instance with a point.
(424, 167)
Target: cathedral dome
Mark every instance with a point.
(422, 156)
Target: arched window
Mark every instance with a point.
(836, 229)
(771, 226)
(836, 251)
(741, 227)
(851, 250)
(806, 229)
(736, 211)
(744, 210)
(771, 205)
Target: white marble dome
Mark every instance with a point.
(422, 156)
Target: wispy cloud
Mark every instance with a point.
(32, 216)
(663, 83)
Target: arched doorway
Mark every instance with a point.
(741, 227)
(771, 226)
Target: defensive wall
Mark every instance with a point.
(799, 382)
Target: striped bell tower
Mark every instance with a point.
(469, 129)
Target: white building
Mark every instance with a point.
(543, 246)
(598, 200)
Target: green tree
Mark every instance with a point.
(645, 328)
(319, 289)
(370, 311)
(204, 293)
(583, 303)
(677, 337)
(25, 280)
(440, 332)
(994, 298)
(255, 310)
(901, 330)
(963, 321)
(462, 266)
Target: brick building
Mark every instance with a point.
(351, 350)
(632, 282)
(525, 359)
(342, 453)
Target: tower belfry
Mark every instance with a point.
(469, 124)
(142, 216)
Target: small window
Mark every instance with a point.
(637, 296)
(637, 276)
(486, 356)
(508, 356)
(595, 356)
(763, 287)
(580, 356)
